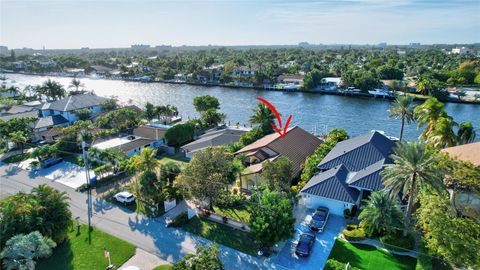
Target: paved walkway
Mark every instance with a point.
(143, 260)
(151, 235)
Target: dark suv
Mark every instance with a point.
(304, 245)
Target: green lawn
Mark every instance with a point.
(368, 257)
(77, 253)
(17, 158)
(222, 234)
(237, 213)
(163, 267)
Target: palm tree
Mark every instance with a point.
(428, 114)
(21, 250)
(144, 162)
(402, 108)
(466, 133)
(75, 84)
(18, 138)
(442, 135)
(380, 214)
(55, 213)
(264, 117)
(52, 90)
(412, 168)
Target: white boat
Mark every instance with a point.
(352, 89)
(380, 92)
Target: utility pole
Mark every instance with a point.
(258, 190)
(89, 193)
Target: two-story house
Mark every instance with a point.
(349, 172)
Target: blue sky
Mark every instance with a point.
(106, 23)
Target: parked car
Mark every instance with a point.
(49, 162)
(319, 219)
(124, 197)
(304, 245)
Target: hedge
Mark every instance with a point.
(332, 264)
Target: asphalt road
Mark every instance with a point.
(170, 244)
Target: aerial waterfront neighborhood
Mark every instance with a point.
(359, 150)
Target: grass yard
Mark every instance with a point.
(76, 253)
(368, 257)
(163, 267)
(17, 158)
(222, 234)
(237, 213)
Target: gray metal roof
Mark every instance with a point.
(359, 152)
(49, 121)
(20, 115)
(368, 178)
(332, 184)
(214, 138)
(75, 102)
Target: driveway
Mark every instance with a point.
(151, 235)
(66, 173)
(324, 241)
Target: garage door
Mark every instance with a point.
(335, 207)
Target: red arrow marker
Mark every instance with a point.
(278, 130)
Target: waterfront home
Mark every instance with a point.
(291, 82)
(462, 50)
(330, 83)
(467, 201)
(98, 70)
(75, 72)
(180, 77)
(242, 71)
(18, 111)
(213, 137)
(297, 145)
(348, 173)
(152, 136)
(65, 108)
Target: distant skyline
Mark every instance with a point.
(72, 24)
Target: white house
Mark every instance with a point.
(66, 107)
(462, 50)
(349, 172)
(143, 136)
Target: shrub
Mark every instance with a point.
(180, 134)
(180, 220)
(336, 265)
(354, 235)
(398, 242)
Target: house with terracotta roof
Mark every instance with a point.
(297, 145)
(465, 152)
(349, 172)
(467, 200)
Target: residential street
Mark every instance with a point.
(170, 244)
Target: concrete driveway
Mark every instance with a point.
(66, 173)
(286, 258)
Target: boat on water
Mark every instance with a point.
(380, 92)
(352, 90)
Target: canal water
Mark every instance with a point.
(313, 112)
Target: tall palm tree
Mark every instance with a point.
(428, 115)
(442, 135)
(263, 116)
(403, 108)
(412, 168)
(380, 214)
(466, 133)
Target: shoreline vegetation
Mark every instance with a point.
(416, 97)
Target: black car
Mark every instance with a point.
(304, 245)
(319, 219)
(50, 162)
